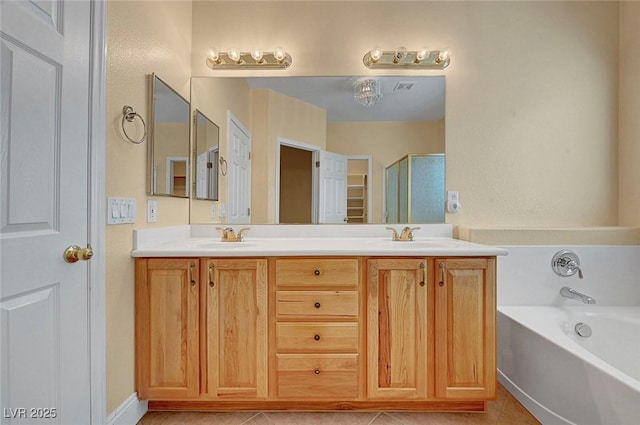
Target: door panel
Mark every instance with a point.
(239, 174)
(44, 95)
(397, 328)
(333, 188)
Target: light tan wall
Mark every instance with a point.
(531, 107)
(295, 186)
(387, 142)
(215, 97)
(141, 40)
(276, 115)
(629, 125)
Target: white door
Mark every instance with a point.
(239, 173)
(332, 191)
(44, 301)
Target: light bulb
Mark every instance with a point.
(444, 55)
(422, 54)
(256, 54)
(400, 54)
(279, 54)
(234, 55)
(213, 55)
(375, 53)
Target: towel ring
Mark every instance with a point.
(223, 166)
(129, 114)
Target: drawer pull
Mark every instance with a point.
(316, 337)
(423, 266)
(441, 274)
(316, 272)
(192, 280)
(211, 269)
(317, 371)
(317, 305)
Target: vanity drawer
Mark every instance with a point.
(316, 337)
(317, 271)
(317, 376)
(310, 305)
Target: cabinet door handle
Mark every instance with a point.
(423, 266)
(441, 274)
(191, 279)
(212, 267)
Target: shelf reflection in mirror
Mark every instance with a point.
(315, 114)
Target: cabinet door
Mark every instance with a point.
(397, 328)
(465, 328)
(235, 318)
(167, 328)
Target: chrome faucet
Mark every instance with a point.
(229, 235)
(573, 294)
(405, 235)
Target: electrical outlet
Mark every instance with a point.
(152, 211)
(453, 201)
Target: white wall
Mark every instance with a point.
(525, 276)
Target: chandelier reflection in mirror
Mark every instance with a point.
(367, 92)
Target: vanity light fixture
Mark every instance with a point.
(403, 58)
(256, 58)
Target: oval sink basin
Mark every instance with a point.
(224, 245)
(416, 244)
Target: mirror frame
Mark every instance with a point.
(153, 78)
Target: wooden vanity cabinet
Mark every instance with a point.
(465, 328)
(233, 361)
(167, 328)
(319, 333)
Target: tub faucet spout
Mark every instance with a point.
(572, 293)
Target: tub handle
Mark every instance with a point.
(441, 274)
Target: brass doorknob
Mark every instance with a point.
(75, 253)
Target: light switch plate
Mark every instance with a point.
(222, 210)
(121, 210)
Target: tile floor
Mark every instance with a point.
(506, 410)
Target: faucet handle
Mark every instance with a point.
(395, 236)
(227, 233)
(566, 263)
(240, 234)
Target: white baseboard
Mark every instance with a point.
(129, 412)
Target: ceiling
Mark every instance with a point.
(425, 101)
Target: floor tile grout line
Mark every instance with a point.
(374, 418)
(251, 418)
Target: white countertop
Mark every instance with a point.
(205, 242)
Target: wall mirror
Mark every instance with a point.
(207, 156)
(298, 123)
(169, 164)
